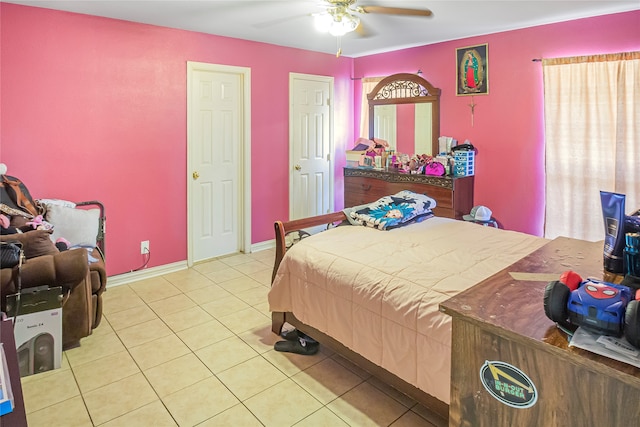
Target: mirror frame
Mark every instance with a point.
(407, 88)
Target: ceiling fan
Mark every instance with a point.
(341, 16)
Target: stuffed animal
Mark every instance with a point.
(41, 245)
(38, 223)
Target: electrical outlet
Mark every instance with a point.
(144, 247)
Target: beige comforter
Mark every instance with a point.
(378, 292)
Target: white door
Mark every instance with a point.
(384, 125)
(310, 146)
(216, 158)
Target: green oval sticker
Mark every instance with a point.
(508, 384)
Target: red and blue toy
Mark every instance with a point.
(602, 307)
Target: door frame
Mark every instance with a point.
(244, 157)
(324, 79)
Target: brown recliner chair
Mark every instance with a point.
(81, 310)
(82, 284)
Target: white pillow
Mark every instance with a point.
(78, 226)
(58, 202)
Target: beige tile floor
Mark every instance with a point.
(195, 348)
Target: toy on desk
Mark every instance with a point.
(601, 307)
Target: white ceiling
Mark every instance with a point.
(289, 22)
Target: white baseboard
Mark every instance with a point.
(147, 273)
(263, 245)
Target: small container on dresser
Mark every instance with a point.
(464, 163)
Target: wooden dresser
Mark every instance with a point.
(500, 323)
(454, 196)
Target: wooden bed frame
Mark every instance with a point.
(435, 405)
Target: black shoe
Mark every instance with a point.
(291, 335)
(299, 346)
(294, 335)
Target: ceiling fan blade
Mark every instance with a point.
(396, 11)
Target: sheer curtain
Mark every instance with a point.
(592, 139)
(368, 83)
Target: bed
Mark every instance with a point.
(373, 296)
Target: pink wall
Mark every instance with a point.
(509, 128)
(95, 108)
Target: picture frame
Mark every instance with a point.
(472, 70)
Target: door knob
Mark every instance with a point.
(196, 175)
(297, 167)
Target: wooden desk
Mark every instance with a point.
(502, 319)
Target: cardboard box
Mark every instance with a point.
(37, 328)
(354, 155)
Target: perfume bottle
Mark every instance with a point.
(632, 254)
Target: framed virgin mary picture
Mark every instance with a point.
(473, 70)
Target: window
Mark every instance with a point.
(592, 140)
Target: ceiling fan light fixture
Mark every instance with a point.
(344, 24)
(323, 22)
(336, 23)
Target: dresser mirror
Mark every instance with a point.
(404, 109)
